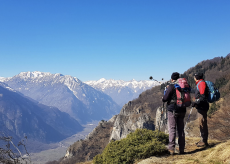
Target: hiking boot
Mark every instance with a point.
(201, 144)
(171, 152)
(180, 152)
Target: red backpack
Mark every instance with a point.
(183, 93)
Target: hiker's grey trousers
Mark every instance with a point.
(202, 119)
(176, 122)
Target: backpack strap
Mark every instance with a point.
(174, 97)
(177, 86)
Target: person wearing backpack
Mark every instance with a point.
(176, 114)
(202, 106)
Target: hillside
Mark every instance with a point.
(216, 70)
(22, 117)
(94, 144)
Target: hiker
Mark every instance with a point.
(202, 106)
(175, 116)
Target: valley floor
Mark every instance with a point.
(60, 150)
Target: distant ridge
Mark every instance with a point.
(122, 91)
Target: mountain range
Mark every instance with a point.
(122, 91)
(65, 92)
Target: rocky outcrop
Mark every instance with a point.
(130, 120)
(161, 119)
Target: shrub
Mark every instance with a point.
(140, 144)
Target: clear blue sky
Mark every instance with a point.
(114, 39)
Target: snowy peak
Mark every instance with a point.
(38, 76)
(103, 83)
(35, 74)
(102, 80)
(46, 78)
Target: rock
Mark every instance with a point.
(113, 118)
(130, 120)
(161, 119)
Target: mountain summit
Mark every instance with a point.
(122, 91)
(67, 93)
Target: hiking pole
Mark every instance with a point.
(151, 78)
(188, 118)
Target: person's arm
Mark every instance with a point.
(168, 94)
(202, 87)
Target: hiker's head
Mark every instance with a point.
(175, 76)
(198, 76)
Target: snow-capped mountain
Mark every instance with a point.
(65, 92)
(122, 91)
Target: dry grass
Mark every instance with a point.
(217, 153)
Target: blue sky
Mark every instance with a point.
(113, 39)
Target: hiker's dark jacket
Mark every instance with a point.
(201, 96)
(171, 98)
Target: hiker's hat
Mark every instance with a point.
(198, 76)
(175, 76)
